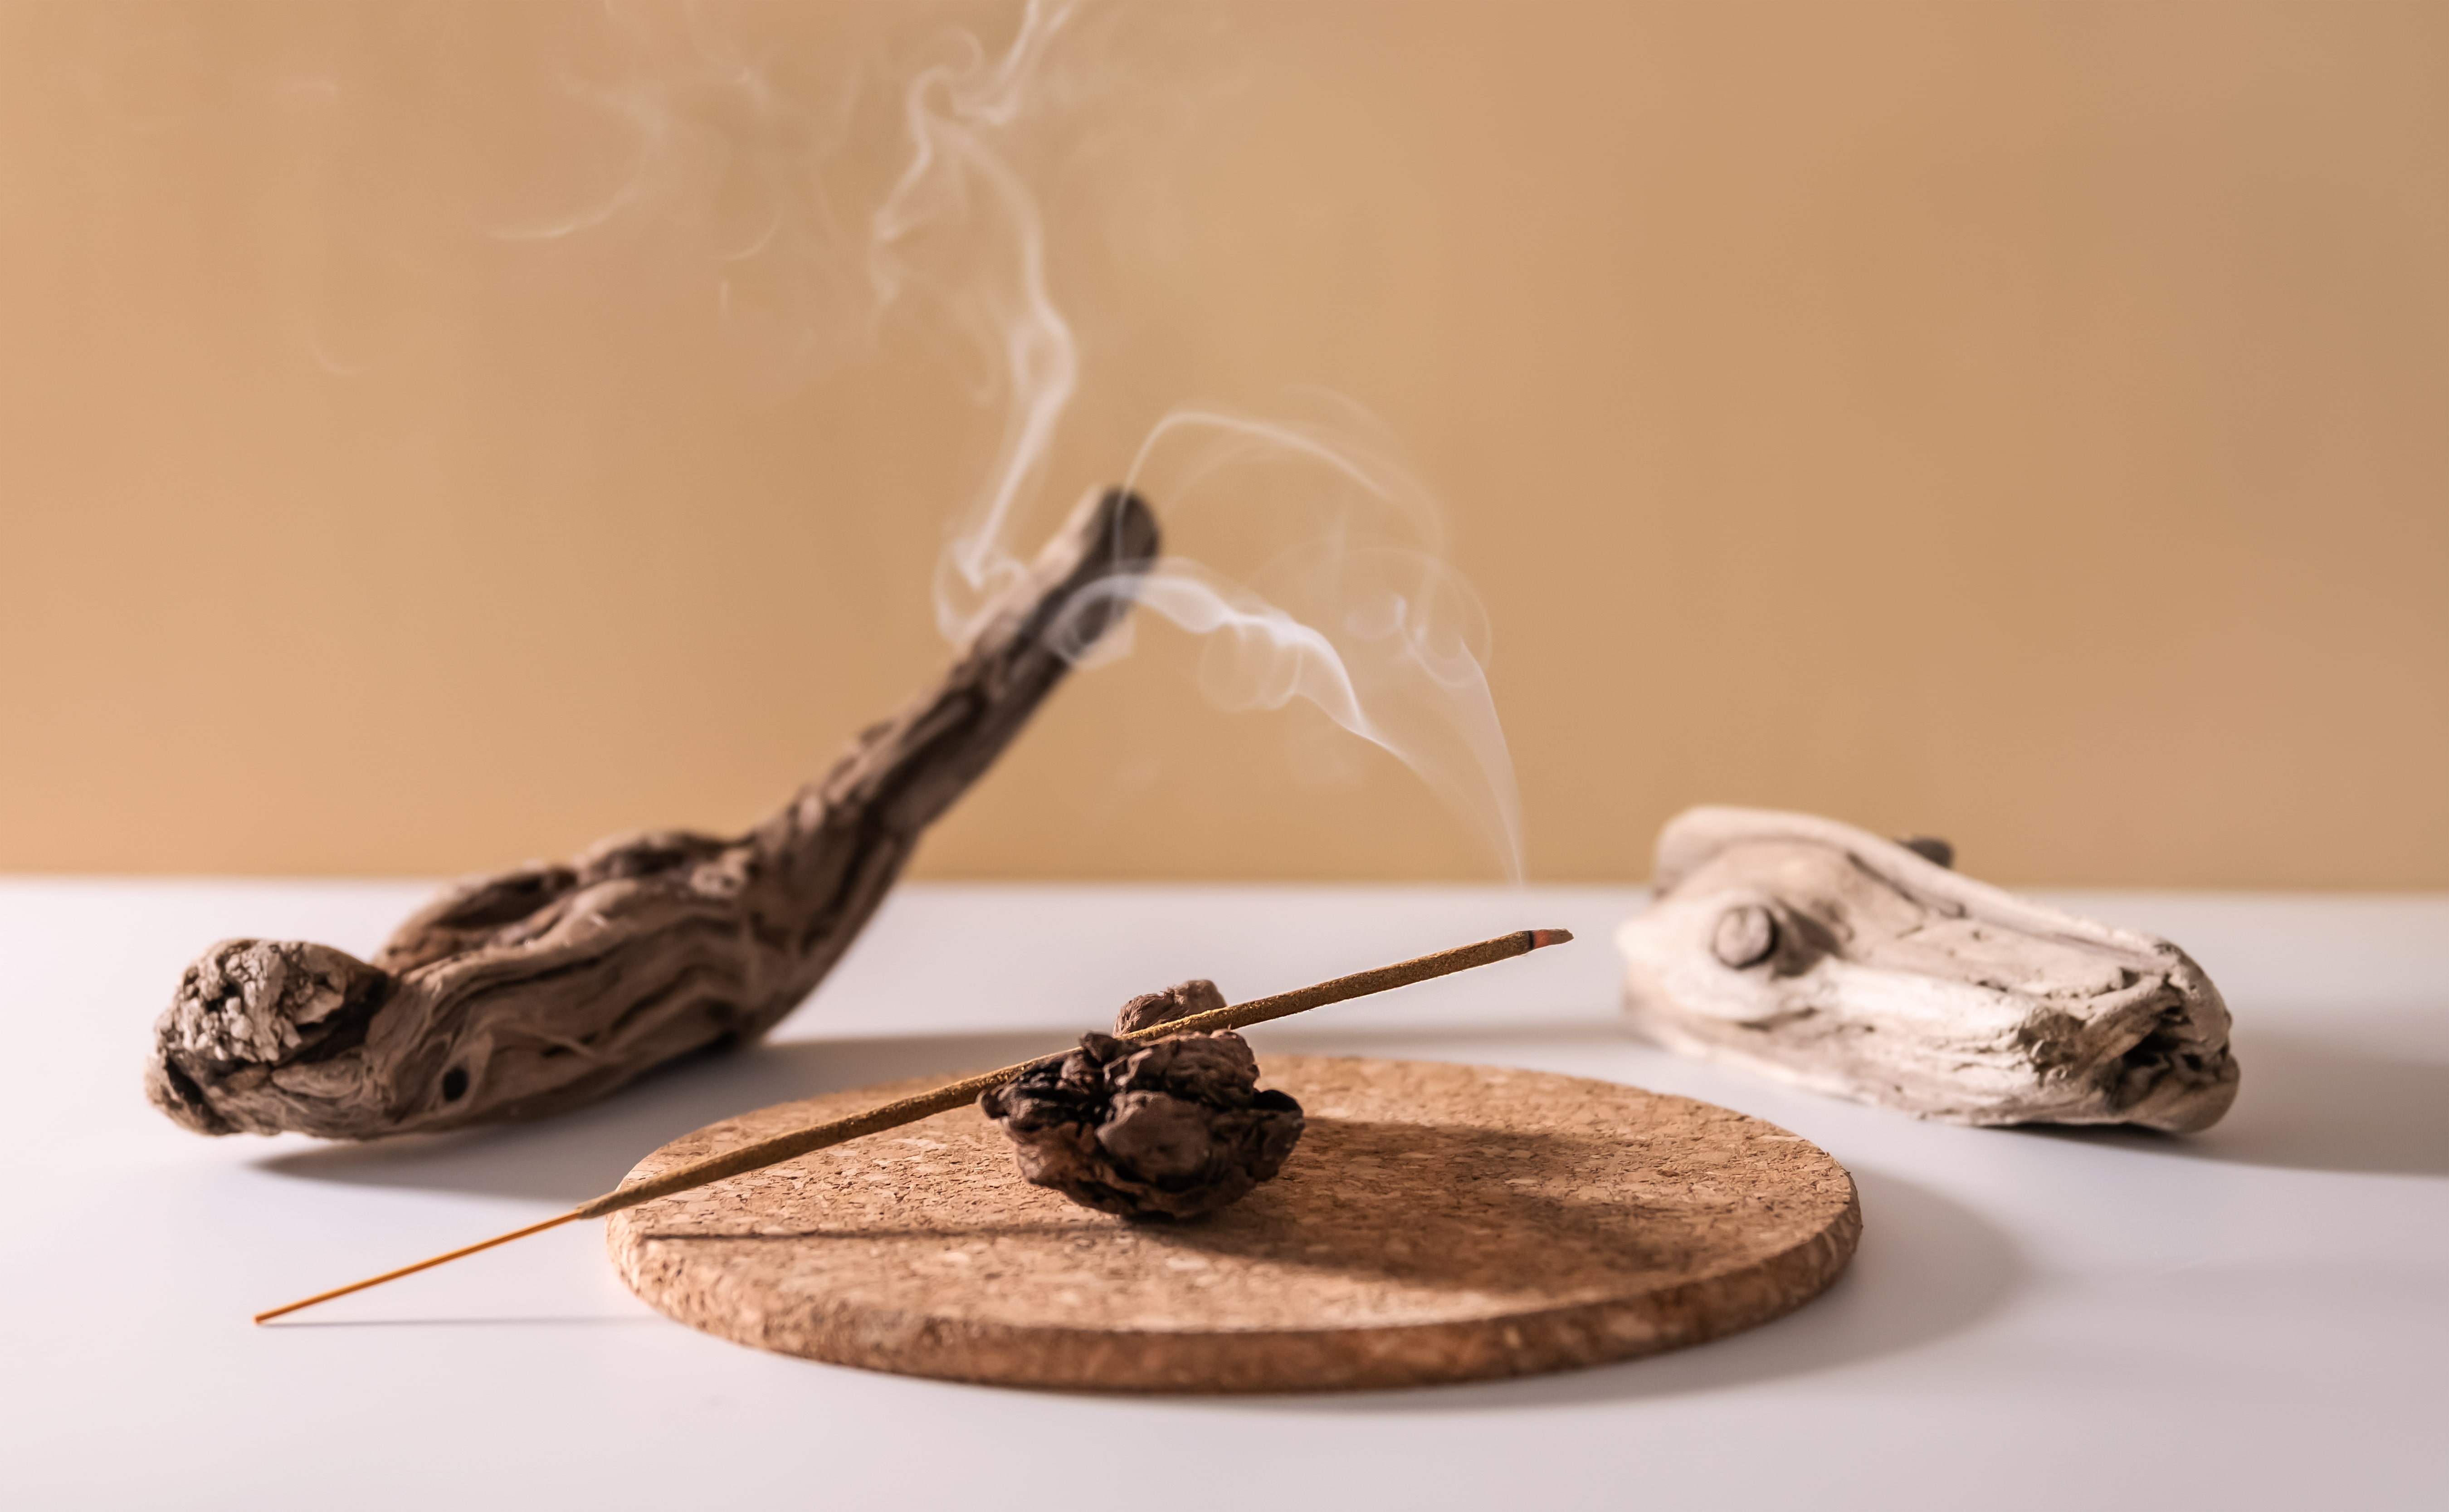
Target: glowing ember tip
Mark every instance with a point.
(1549, 936)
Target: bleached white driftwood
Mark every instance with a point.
(1822, 955)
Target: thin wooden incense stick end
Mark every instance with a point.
(428, 1264)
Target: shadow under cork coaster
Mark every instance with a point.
(1436, 1223)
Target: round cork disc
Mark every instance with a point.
(1436, 1223)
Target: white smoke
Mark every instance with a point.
(953, 111)
(752, 158)
(1380, 635)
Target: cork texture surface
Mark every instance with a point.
(1436, 1223)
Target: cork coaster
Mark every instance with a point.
(1437, 1223)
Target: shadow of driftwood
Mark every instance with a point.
(1927, 1269)
(575, 1155)
(2313, 1105)
(1927, 1266)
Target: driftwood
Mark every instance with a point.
(1823, 955)
(523, 994)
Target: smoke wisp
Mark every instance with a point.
(839, 172)
(1357, 614)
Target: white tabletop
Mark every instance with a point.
(2256, 1317)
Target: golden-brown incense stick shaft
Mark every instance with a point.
(910, 1110)
(571, 1216)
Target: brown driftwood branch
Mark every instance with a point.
(520, 995)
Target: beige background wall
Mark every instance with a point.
(2023, 422)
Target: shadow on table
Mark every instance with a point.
(574, 1156)
(2312, 1105)
(2305, 1103)
(1927, 1269)
(1927, 1266)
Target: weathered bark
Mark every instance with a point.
(520, 995)
(1821, 955)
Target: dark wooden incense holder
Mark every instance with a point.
(544, 987)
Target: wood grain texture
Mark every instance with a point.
(545, 987)
(1436, 1223)
(1824, 955)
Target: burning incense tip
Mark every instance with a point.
(1549, 936)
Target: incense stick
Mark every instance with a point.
(953, 1095)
